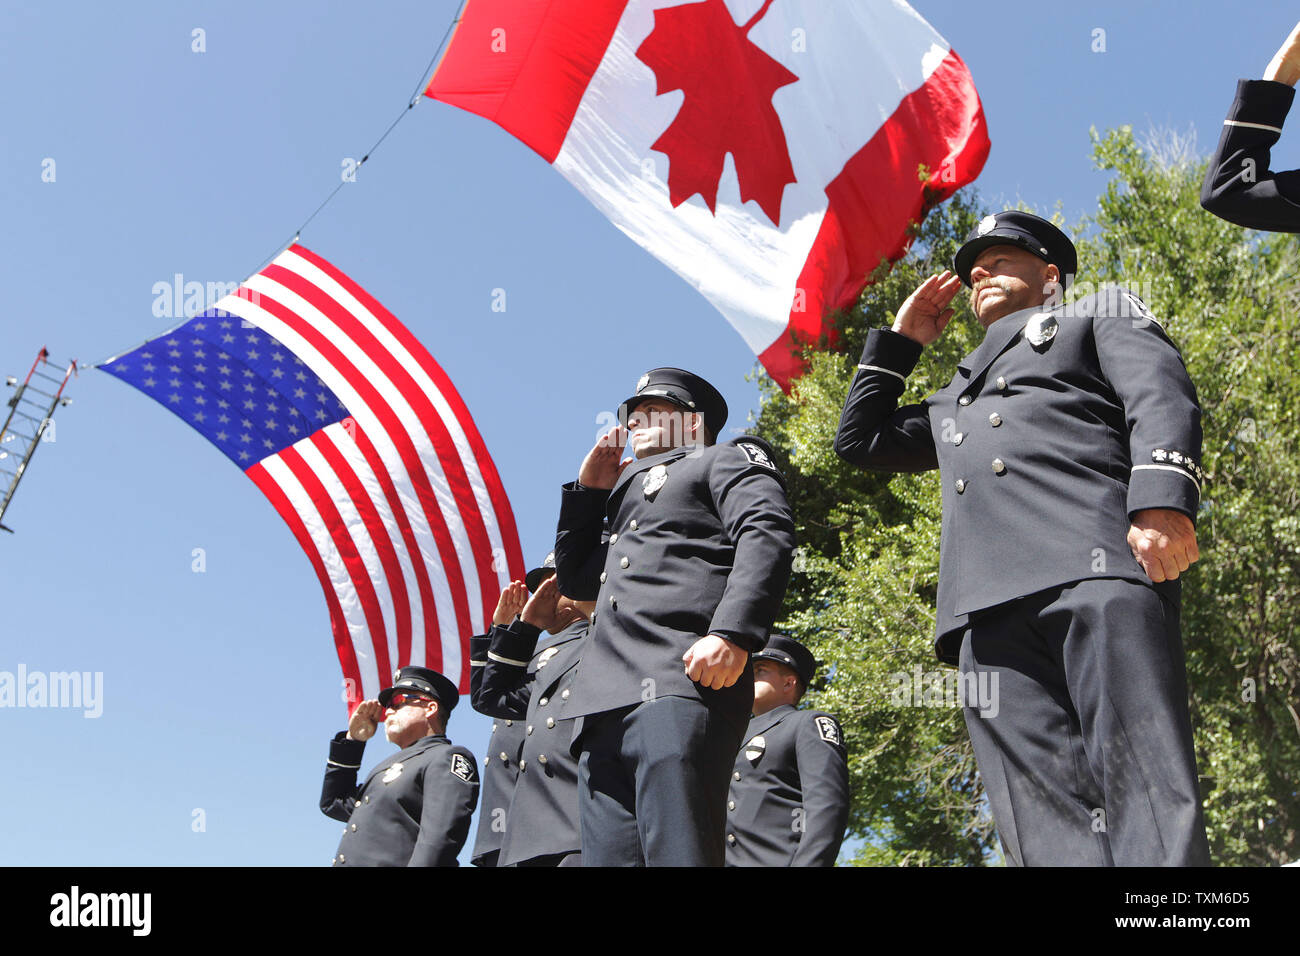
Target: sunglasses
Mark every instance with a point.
(402, 700)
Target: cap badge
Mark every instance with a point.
(397, 675)
(392, 773)
(643, 381)
(755, 748)
(1041, 329)
(987, 225)
(654, 480)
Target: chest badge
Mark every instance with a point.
(654, 479)
(546, 655)
(392, 773)
(755, 748)
(1041, 329)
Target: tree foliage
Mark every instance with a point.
(863, 592)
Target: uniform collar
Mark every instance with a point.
(643, 464)
(767, 721)
(997, 337)
(424, 743)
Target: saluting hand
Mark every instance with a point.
(601, 467)
(1285, 65)
(545, 611)
(365, 719)
(513, 598)
(1164, 542)
(715, 662)
(926, 313)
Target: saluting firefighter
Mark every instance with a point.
(1068, 444)
(789, 800)
(687, 585)
(1239, 186)
(501, 767)
(414, 808)
(528, 680)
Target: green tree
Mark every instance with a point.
(863, 591)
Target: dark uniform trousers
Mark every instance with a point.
(1239, 186)
(699, 542)
(1061, 426)
(789, 798)
(526, 680)
(413, 810)
(1088, 761)
(500, 768)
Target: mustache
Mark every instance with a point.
(993, 282)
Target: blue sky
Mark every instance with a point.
(221, 689)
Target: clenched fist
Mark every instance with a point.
(1164, 542)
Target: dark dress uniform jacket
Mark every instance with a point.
(500, 769)
(1239, 186)
(700, 542)
(789, 800)
(413, 810)
(543, 815)
(1045, 452)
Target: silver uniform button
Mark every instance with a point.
(358, 803)
(542, 702)
(510, 723)
(956, 439)
(603, 576)
(613, 602)
(623, 562)
(541, 758)
(354, 828)
(961, 485)
(1001, 383)
(964, 400)
(505, 756)
(998, 466)
(341, 860)
(529, 731)
(613, 538)
(731, 838)
(731, 804)
(367, 798)
(735, 775)
(564, 695)
(523, 764)
(632, 524)
(995, 419)
(550, 722)
(494, 728)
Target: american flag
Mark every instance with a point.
(361, 443)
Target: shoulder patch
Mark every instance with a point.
(829, 731)
(756, 454)
(461, 767)
(1137, 310)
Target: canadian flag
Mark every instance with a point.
(766, 150)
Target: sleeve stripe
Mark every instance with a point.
(505, 660)
(1271, 129)
(1175, 469)
(887, 371)
(477, 663)
(345, 766)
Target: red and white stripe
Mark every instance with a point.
(879, 92)
(400, 510)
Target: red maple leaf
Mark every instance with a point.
(728, 83)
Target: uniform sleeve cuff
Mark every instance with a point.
(344, 752)
(512, 646)
(1163, 486)
(1263, 102)
(478, 649)
(579, 505)
(889, 351)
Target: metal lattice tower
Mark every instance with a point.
(31, 409)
